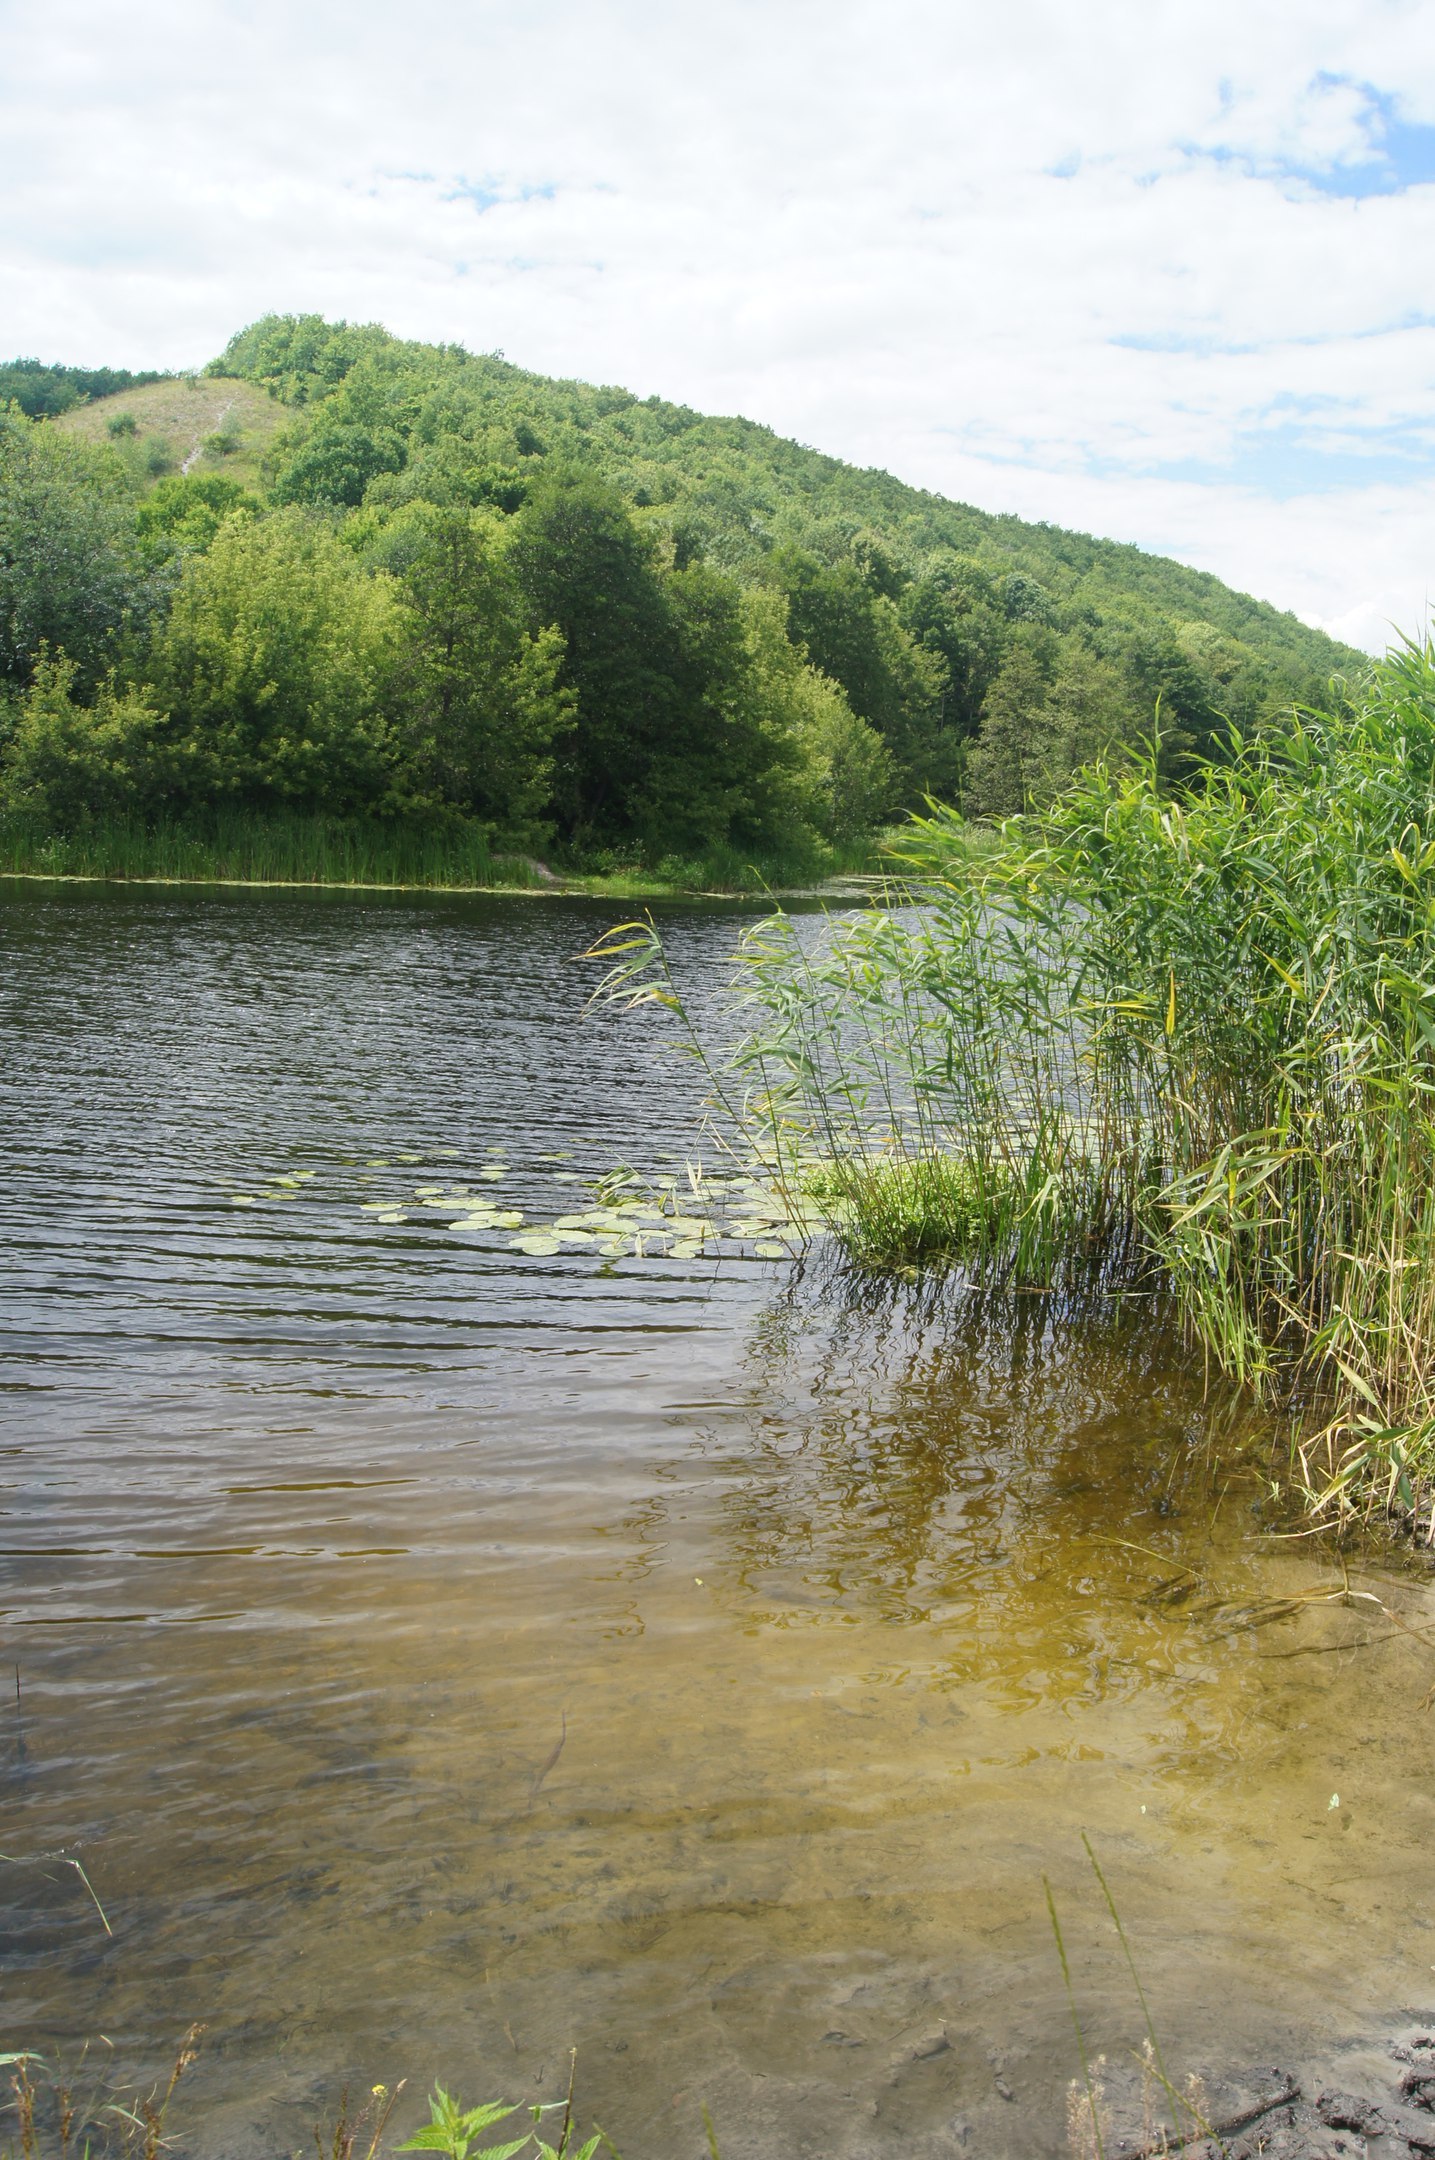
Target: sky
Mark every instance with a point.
(1155, 269)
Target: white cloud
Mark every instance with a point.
(842, 220)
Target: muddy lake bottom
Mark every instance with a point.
(442, 1657)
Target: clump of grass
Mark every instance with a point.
(84, 2110)
(907, 1213)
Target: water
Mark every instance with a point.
(852, 1610)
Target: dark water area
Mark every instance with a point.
(852, 1609)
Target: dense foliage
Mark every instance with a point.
(580, 620)
(42, 389)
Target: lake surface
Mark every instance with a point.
(851, 1609)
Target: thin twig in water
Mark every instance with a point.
(548, 1762)
(66, 1860)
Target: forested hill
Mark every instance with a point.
(403, 580)
(370, 408)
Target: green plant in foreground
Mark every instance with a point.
(453, 2129)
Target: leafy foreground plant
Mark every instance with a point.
(1187, 1041)
(85, 2112)
(454, 2130)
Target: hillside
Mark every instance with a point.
(183, 423)
(346, 575)
(732, 489)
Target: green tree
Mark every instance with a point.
(1011, 754)
(486, 702)
(182, 514)
(855, 636)
(336, 463)
(1055, 706)
(67, 762)
(585, 567)
(957, 617)
(844, 783)
(70, 575)
(281, 663)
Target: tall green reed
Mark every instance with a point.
(1192, 1038)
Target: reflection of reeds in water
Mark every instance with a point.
(1143, 1038)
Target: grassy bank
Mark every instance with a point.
(245, 847)
(1179, 1041)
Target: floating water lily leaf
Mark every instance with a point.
(537, 1248)
(689, 1226)
(575, 1237)
(376, 1162)
(474, 1222)
(767, 1250)
(242, 1199)
(426, 1192)
(393, 1215)
(686, 1249)
(613, 1248)
(493, 1172)
(440, 1154)
(509, 1219)
(408, 1158)
(375, 1207)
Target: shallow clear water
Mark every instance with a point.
(852, 1610)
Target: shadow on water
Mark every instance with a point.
(440, 1658)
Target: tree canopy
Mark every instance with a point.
(583, 619)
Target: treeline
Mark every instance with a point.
(579, 620)
(41, 390)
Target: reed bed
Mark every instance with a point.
(250, 847)
(296, 848)
(1186, 1041)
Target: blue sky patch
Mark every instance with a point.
(1395, 154)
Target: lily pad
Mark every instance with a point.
(493, 1172)
(537, 1248)
(426, 1192)
(767, 1250)
(242, 1199)
(393, 1215)
(614, 1248)
(376, 1162)
(686, 1249)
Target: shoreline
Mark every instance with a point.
(851, 887)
